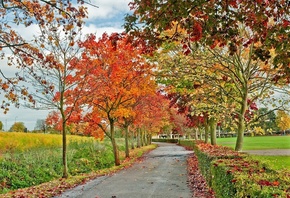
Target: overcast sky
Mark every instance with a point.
(107, 18)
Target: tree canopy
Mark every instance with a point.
(216, 23)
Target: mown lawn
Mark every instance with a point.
(274, 162)
(261, 143)
(258, 142)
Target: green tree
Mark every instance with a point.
(40, 125)
(18, 127)
(266, 119)
(1, 125)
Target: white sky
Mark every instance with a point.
(109, 17)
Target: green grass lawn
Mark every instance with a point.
(258, 142)
(264, 142)
(274, 162)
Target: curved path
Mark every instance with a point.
(163, 173)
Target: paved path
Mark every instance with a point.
(274, 152)
(162, 174)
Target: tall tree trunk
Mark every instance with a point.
(241, 124)
(200, 133)
(206, 131)
(212, 126)
(138, 138)
(114, 144)
(145, 138)
(64, 143)
(132, 141)
(142, 137)
(149, 138)
(64, 150)
(195, 134)
(127, 141)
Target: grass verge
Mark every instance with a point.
(57, 186)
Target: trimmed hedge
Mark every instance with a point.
(233, 174)
(243, 177)
(187, 143)
(165, 140)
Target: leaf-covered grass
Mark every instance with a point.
(258, 142)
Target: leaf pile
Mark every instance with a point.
(196, 181)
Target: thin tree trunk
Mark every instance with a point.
(142, 137)
(149, 137)
(213, 124)
(114, 144)
(200, 133)
(132, 141)
(138, 138)
(64, 151)
(145, 138)
(127, 141)
(195, 134)
(206, 131)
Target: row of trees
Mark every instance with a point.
(270, 124)
(92, 84)
(218, 59)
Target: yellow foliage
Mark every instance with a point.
(259, 131)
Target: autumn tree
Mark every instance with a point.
(283, 120)
(53, 121)
(179, 122)
(250, 79)
(153, 117)
(132, 113)
(17, 127)
(216, 24)
(44, 64)
(25, 14)
(219, 82)
(114, 72)
(190, 86)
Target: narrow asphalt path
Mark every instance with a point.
(162, 174)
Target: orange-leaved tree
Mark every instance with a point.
(129, 112)
(114, 71)
(154, 114)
